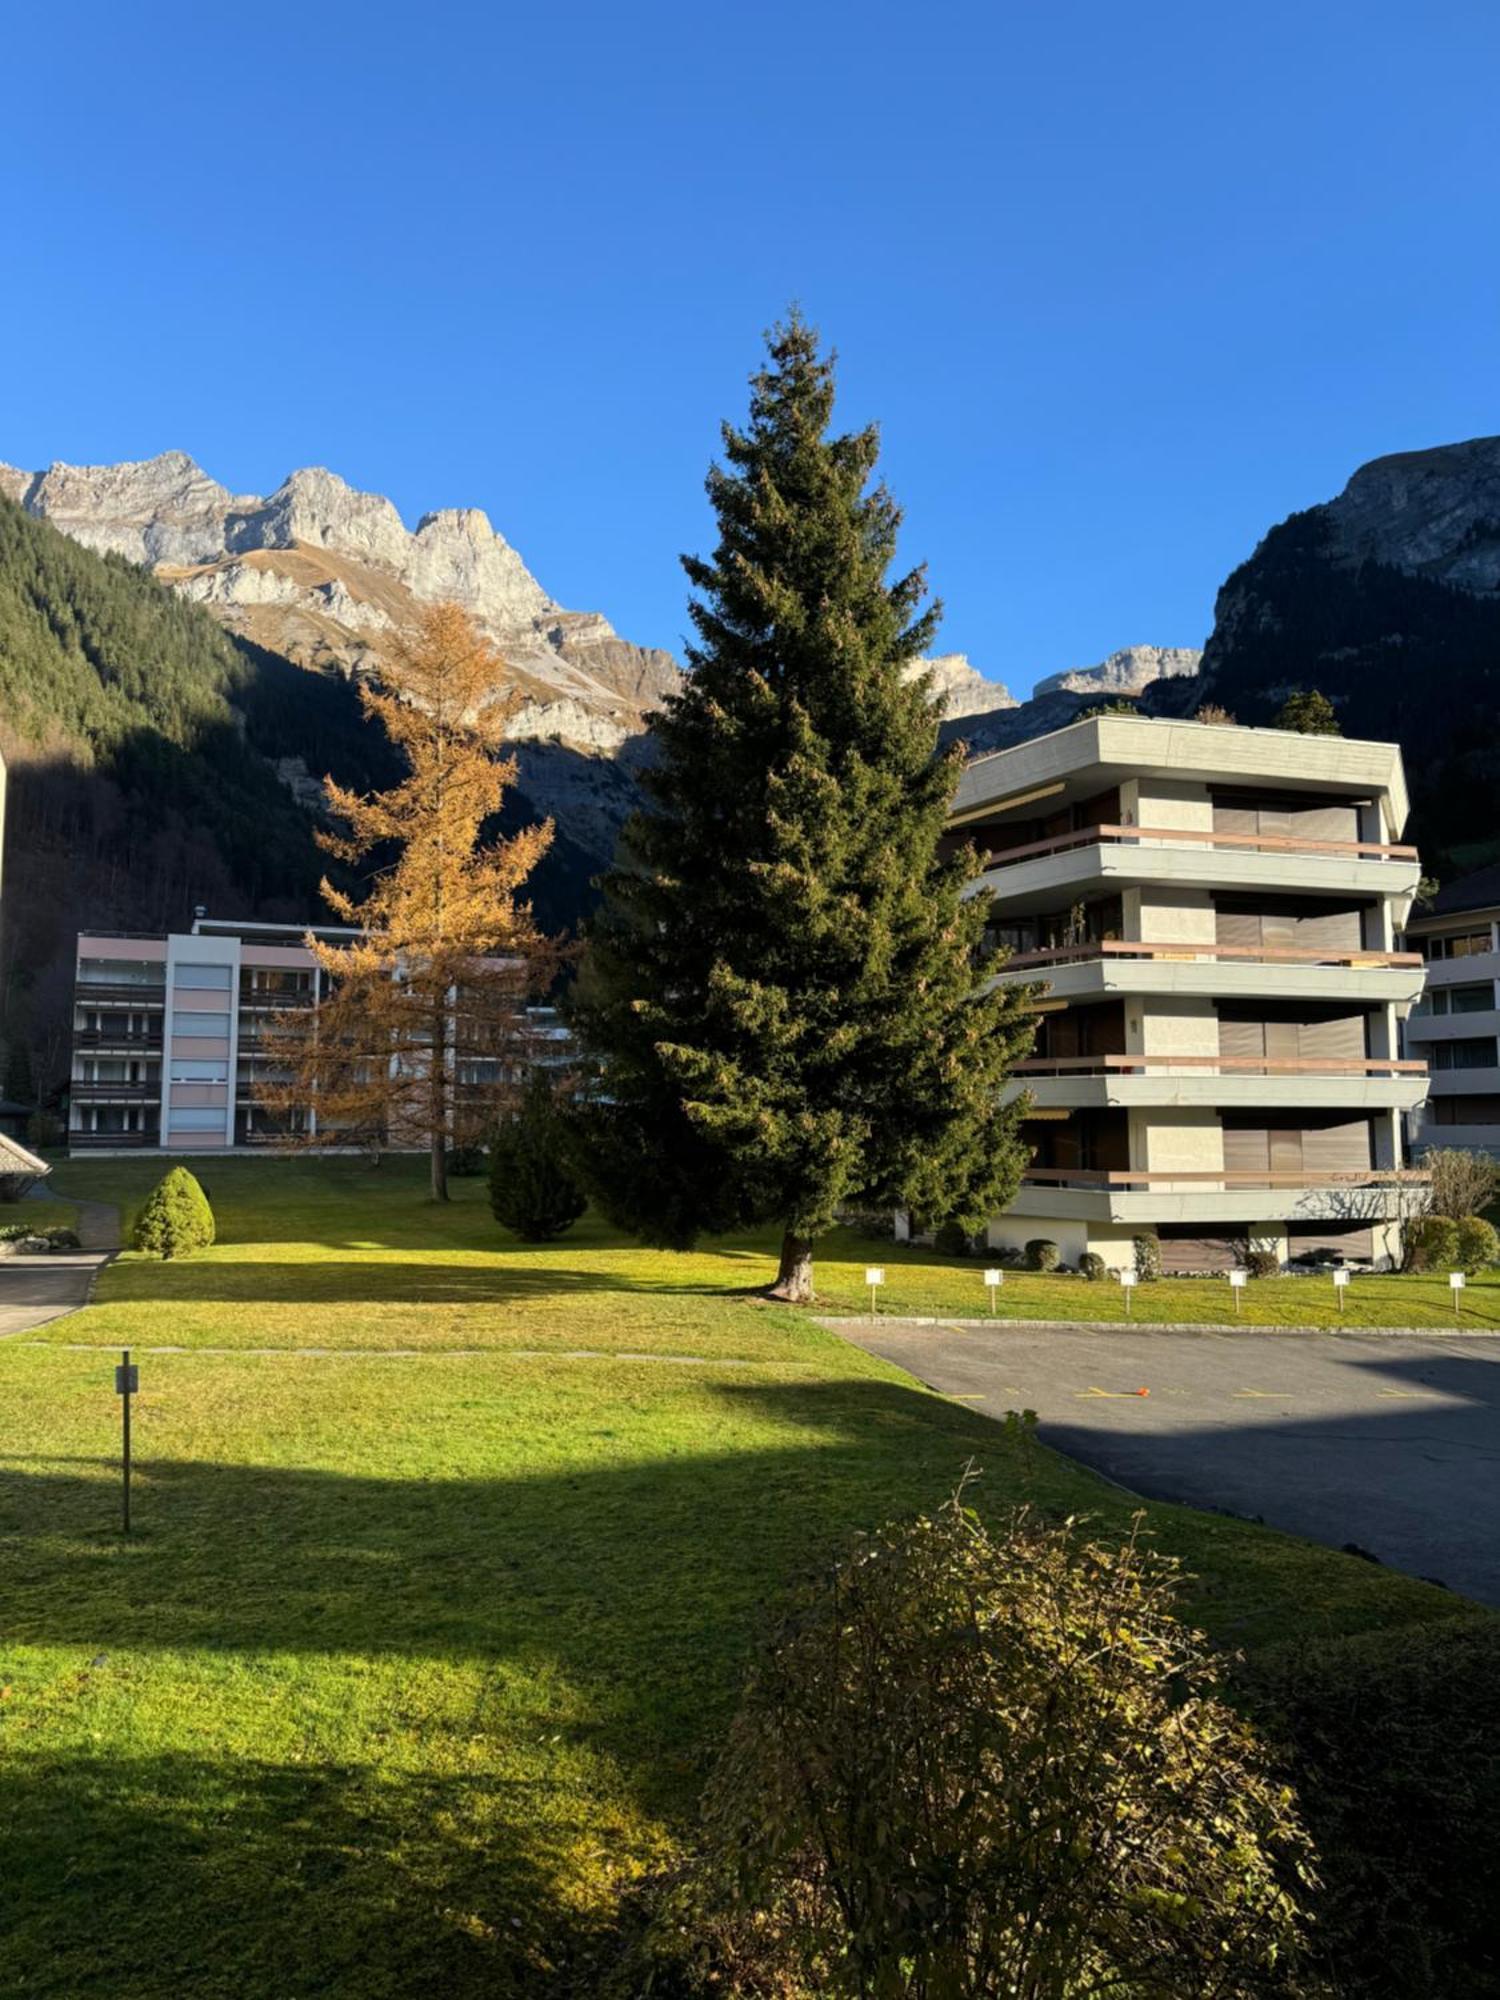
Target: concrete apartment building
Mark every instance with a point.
(1213, 914)
(168, 1035)
(1456, 1023)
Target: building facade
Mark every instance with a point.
(169, 1036)
(1455, 1026)
(1212, 917)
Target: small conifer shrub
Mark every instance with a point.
(532, 1188)
(176, 1219)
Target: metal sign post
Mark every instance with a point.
(127, 1381)
(874, 1275)
(1341, 1285)
(1237, 1285)
(994, 1279)
(1456, 1282)
(1127, 1280)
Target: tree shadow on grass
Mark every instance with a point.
(635, 1587)
(176, 1875)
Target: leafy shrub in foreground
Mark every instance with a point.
(1042, 1254)
(983, 1764)
(1434, 1243)
(176, 1218)
(1262, 1263)
(951, 1240)
(1391, 1740)
(1093, 1267)
(1477, 1245)
(1147, 1259)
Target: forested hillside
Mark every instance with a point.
(1402, 656)
(143, 746)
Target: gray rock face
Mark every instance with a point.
(1435, 513)
(960, 687)
(327, 575)
(1130, 671)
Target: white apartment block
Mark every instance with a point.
(1213, 917)
(170, 1043)
(1456, 1023)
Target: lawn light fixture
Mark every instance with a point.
(1456, 1285)
(874, 1276)
(994, 1279)
(1128, 1280)
(1237, 1282)
(1341, 1285)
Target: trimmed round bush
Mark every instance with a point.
(1042, 1254)
(532, 1189)
(1093, 1267)
(951, 1240)
(1262, 1263)
(1477, 1246)
(1147, 1259)
(466, 1162)
(1434, 1243)
(176, 1219)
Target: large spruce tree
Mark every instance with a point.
(783, 980)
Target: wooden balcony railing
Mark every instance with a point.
(1211, 1179)
(1107, 834)
(1134, 1065)
(1091, 950)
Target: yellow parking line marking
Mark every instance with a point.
(1404, 1395)
(1111, 1395)
(1263, 1395)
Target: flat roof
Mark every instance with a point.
(1469, 896)
(1100, 750)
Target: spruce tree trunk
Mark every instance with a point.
(794, 1281)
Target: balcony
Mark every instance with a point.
(1102, 966)
(112, 1142)
(116, 1038)
(1108, 856)
(87, 992)
(1368, 1083)
(93, 1091)
(1131, 1196)
(273, 1003)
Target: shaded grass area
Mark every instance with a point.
(415, 1663)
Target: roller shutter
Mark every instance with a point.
(1189, 1256)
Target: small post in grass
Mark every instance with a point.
(1127, 1280)
(127, 1381)
(1341, 1285)
(1456, 1283)
(1237, 1285)
(994, 1279)
(874, 1276)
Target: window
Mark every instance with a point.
(218, 978)
(211, 1069)
(200, 1024)
(1471, 999)
(1462, 1110)
(197, 1119)
(1467, 944)
(120, 972)
(1472, 1052)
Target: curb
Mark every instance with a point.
(997, 1325)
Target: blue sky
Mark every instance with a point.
(1122, 284)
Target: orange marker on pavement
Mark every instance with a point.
(1143, 1392)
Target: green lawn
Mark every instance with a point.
(39, 1213)
(416, 1660)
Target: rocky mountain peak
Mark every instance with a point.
(1435, 513)
(1128, 671)
(326, 574)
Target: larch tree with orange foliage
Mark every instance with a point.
(420, 1025)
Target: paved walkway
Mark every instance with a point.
(36, 1290)
(1389, 1442)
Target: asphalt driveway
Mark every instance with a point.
(1389, 1442)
